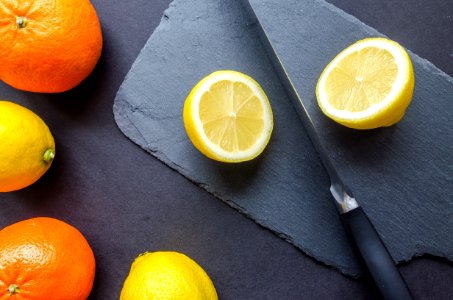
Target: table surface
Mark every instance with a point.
(127, 202)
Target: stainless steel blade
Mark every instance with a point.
(369, 244)
(341, 192)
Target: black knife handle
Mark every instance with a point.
(376, 256)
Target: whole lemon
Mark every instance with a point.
(27, 147)
(167, 275)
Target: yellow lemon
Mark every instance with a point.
(167, 276)
(368, 85)
(27, 147)
(228, 117)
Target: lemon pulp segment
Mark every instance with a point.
(228, 117)
(361, 79)
(232, 115)
(368, 85)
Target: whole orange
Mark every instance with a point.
(45, 259)
(48, 46)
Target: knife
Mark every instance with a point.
(370, 246)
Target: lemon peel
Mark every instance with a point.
(27, 147)
(166, 275)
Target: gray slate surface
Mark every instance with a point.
(286, 188)
(402, 175)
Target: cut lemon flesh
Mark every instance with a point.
(368, 85)
(228, 117)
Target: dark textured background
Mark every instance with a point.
(126, 202)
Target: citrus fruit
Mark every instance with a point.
(27, 147)
(45, 259)
(368, 85)
(167, 275)
(48, 46)
(228, 117)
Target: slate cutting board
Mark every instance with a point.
(286, 189)
(403, 175)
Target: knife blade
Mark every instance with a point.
(373, 252)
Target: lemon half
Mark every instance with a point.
(228, 117)
(368, 85)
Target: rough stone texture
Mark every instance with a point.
(403, 174)
(286, 189)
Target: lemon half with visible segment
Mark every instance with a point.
(228, 117)
(368, 85)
